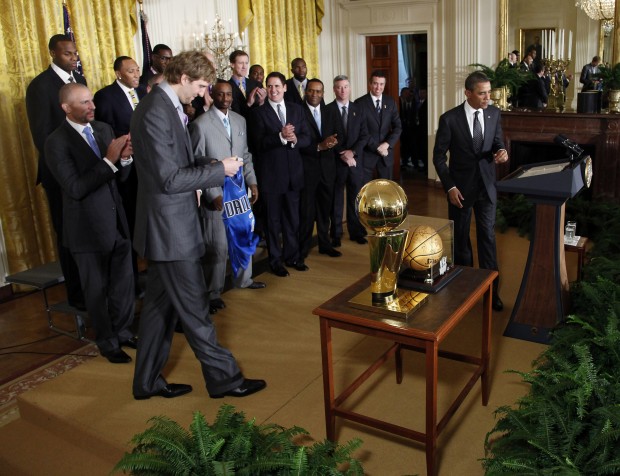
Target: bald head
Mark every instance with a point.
(77, 102)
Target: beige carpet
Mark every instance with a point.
(90, 415)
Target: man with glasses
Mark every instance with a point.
(162, 54)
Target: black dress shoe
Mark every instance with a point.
(279, 270)
(212, 310)
(331, 252)
(298, 265)
(257, 285)
(497, 303)
(117, 357)
(336, 243)
(248, 387)
(217, 302)
(171, 390)
(132, 342)
(79, 305)
(361, 240)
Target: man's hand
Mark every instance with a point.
(116, 147)
(288, 133)
(257, 95)
(231, 166)
(383, 149)
(455, 197)
(254, 190)
(218, 203)
(328, 142)
(128, 149)
(348, 157)
(500, 156)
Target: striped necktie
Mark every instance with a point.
(71, 79)
(477, 135)
(133, 97)
(378, 108)
(242, 88)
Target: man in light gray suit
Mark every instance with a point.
(218, 133)
(168, 235)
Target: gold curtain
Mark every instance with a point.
(103, 29)
(280, 30)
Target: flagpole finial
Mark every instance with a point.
(140, 2)
(64, 2)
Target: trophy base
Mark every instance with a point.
(408, 279)
(403, 305)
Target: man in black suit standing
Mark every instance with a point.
(247, 93)
(115, 104)
(296, 86)
(162, 54)
(472, 133)
(168, 234)
(279, 130)
(319, 162)
(85, 159)
(384, 128)
(349, 170)
(44, 116)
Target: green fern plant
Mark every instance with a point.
(233, 446)
(503, 75)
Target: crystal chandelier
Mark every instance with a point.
(599, 10)
(221, 44)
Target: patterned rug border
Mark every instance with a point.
(11, 390)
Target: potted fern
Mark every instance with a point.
(505, 81)
(611, 85)
(232, 445)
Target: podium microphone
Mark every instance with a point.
(574, 149)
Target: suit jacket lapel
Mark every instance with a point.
(123, 99)
(312, 122)
(464, 127)
(181, 129)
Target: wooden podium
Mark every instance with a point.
(543, 297)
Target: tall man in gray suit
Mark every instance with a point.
(168, 234)
(219, 133)
(384, 128)
(472, 133)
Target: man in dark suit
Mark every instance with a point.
(44, 116)
(383, 123)
(162, 54)
(279, 130)
(247, 93)
(319, 162)
(168, 234)
(296, 86)
(588, 75)
(115, 104)
(472, 133)
(85, 159)
(349, 170)
(533, 94)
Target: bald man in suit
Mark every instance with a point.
(44, 116)
(472, 134)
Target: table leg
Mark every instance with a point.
(486, 344)
(398, 359)
(328, 379)
(431, 354)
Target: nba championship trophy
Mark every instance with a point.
(381, 207)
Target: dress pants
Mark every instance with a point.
(67, 263)
(176, 289)
(374, 162)
(484, 211)
(107, 282)
(351, 179)
(316, 205)
(216, 255)
(282, 220)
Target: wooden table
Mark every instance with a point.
(580, 248)
(425, 330)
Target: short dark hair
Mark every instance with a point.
(54, 40)
(235, 54)
(161, 47)
(254, 66)
(537, 68)
(596, 58)
(475, 78)
(275, 74)
(194, 64)
(516, 52)
(377, 73)
(315, 80)
(118, 62)
(296, 60)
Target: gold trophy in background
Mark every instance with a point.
(381, 207)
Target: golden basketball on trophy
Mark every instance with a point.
(381, 205)
(424, 248)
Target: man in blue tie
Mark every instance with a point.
(85, 159)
